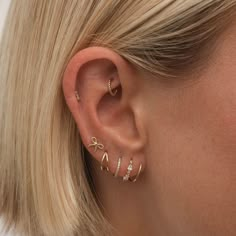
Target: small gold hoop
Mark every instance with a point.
(110, 89)
(129, 169)
(136, 177)
(105, 157)
(118, 167)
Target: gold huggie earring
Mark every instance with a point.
(77, 96)
(129, 169)
(105, 157)
(136, 177)
(110, 89)
(118, 167)
(96, 144)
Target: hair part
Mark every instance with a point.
(44, 187)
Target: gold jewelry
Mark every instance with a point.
(129, 169)
(136, 177)
(96, 144)
(77, 96)
(105, 157)
(110, 89)
(118, 167)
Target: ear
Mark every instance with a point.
(113, 120)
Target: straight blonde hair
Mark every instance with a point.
(45, 187)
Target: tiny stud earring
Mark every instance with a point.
(105, 158)
(77, 96)
(129, 169)
(136, 177)
(110, 89)
(96, 144)
(118, 167)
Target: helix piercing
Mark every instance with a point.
(96, 144)
(136, 177)
(77, 96)
(105, 158)
(118, 167)
(110, 89)
(129, 169)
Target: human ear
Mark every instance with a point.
(106, 108)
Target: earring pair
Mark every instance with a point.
(112, 93)
(105, 162)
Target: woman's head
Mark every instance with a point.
(172, 64)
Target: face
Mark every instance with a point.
(192, 153)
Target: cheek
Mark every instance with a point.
(209, 160)
(196, 162)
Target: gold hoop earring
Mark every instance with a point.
(110, 89)
(105, 157)
(77, 96)
(118, 167)
(96, 144)
(129, 169)
(136, 177)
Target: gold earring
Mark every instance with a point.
(96, 144)
(77, 96)
(118, 167)
(105, 157)
(129, 169)
(110, 89)
(136, 177)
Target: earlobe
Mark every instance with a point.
(97, 90)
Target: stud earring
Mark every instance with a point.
(129, 169)
(77, 96)
(96, 144)
(110, 89)
(118, 167)
(105, 158)
(136, 177)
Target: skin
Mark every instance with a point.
(182, 131)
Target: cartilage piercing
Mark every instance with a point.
(113, 93)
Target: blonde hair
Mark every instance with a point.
(44, 185)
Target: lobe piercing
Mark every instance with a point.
(129, 169)
(96, 144)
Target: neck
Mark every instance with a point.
(129, 207)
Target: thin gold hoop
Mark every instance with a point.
(105, 157)
(129, 169)
(110, 89)
(136, 177)
(118, 167)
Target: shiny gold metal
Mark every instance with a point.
(136, 177)
(77, 96)
(96, 144)
(113, 93)
(105, 158)
(129, 169)
(118, 167)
